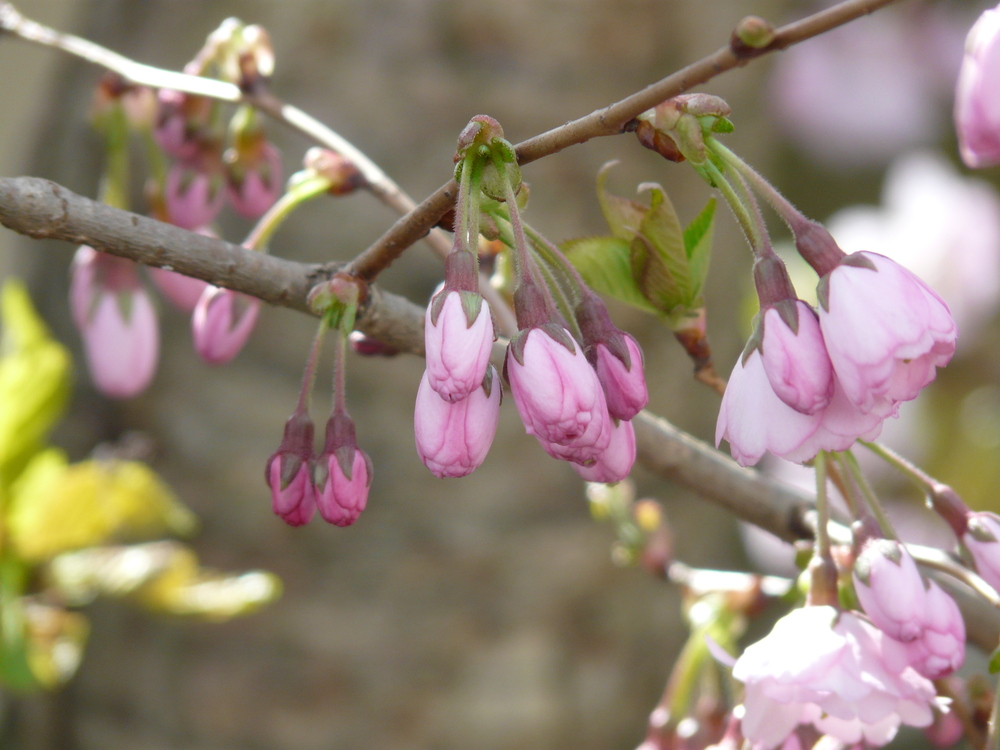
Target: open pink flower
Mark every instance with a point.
(616, 462)
(832, 670)
(977, 96)
(454, 438)
(222, 323)
(458, 350)
(886, 331)
(795, 362)
(754, 420)
(558, 395)
(117, 320)
(624, 387)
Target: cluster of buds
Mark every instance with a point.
(575, 394)
(188, 129)
(335, 481)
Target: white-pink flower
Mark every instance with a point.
(117, 320)
(977, 95)
(832, 670)
(755, 421)
(454, 438)
(886, 331)
(796, 363)
(457, 351)
(982, 539)
(558, 395)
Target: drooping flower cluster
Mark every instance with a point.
(335, 481)
(575, 395)
(813, 380)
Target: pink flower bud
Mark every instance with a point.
(458, 338)
(222, 323)
(454, 438)
(179, 122)
(982, 539)
(977, 96)
(796, 363)
(193, 195)
(289, 472)
(117, 321)
(624, 386)
(557, 394)
(254, 184)
(183, 291)
(946, 731)
(886, 331)
(616, 462)
(891, 589)
(343, 474)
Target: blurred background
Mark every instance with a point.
(484, 611)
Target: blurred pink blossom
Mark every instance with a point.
(977, 95)
(117, 320)
(222, 322)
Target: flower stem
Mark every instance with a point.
(871, 499)
(309, 377)
(339, 366)
(713, 176)
(822, 509)
(269, 222)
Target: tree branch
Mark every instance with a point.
(611, 120)
(42, 209)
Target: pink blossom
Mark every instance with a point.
(183, 291)
(886, 331)
(891, 589)
(977, 100)
(253, 187)
(624, 387)
(178, 122)
(117, 320)
(558, 395)
(754, 420)
(343, 493)
(940, 649)
(832, 670)
(982, 539)
(222, 323)
(454, 438)
(457, 351)
(616, 462)
(193, 195)
(795, 362)
(289, 472)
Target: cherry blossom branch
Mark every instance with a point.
(612, 120)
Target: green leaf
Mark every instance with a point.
(624, 216)
(34, 380)
(660, 263)
(15, 672)
(605, 265)
(698, 237)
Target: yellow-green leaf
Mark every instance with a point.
(604, 263)
(54, 642)
(89, 503)
(34, 380)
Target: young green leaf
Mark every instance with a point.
(698, 245)
(624, 216)
(605, 266)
